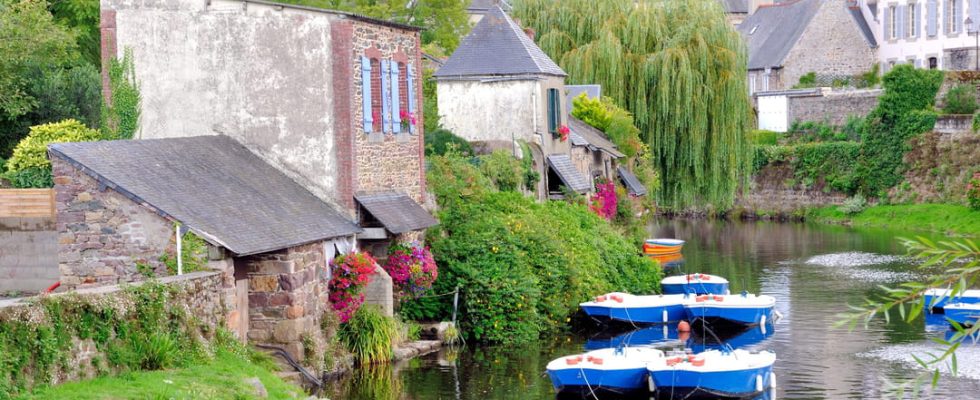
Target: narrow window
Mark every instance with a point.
(376, 99)
(553, 109)
(403, 87)
(951, 16)
(913, 18)
(893, 22)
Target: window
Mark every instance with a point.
(554, 111)
(403, 88)
(913, 20)
(951, 13)
(751, 84)
(376, 99)
(892, 22)
(933, 63)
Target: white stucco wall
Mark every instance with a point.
(488, 111)
(257, 73)
(903, 50)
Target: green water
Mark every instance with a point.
(812, 270)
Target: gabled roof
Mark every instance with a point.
(214, 186)
(497, 47)
(773, 30)
(570, 177)
(863, 25)
(396, 211)
(594, 138)
(632, 183)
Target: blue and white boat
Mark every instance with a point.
(695, 284)
(712, 374)
(739, 309)
(721, 339)
(653, 336)
(599, 308)
(615, 370)
(936, 299)
(963, 313)
(654, 309)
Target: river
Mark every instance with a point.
(812, 270)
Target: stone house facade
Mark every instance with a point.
(326, 97)
(926, 33)
(499, 89)
(117, 218)
(788, 40)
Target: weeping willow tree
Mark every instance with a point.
(679, 67)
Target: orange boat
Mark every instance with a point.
(659, 247)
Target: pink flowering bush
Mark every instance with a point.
(604, 200)
(412, 270)
(351, 272)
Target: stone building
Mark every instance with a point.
(926, 33)
(788, 40)
(121, 204)
(499, 89)
(592, 152)
(331, 99)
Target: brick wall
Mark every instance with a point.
(386, 161)
(102, 234)
(286, 297)
(832, 44)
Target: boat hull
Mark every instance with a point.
(681, 384)
(713, 313)
(598, 312)
(620, 381)
(966, 316)
(648, 315)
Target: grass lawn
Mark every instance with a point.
(943, 218)
(220, 378)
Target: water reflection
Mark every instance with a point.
(813, 271)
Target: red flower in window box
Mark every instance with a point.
(407, 118)
(563, 132)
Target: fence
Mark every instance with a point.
(27, 203)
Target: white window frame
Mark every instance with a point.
(913, 20)
(893, 22)
(950, 17)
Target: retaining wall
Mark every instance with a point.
(28, 254)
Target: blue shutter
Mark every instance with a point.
(975, 14)
(900, 20)
(385, 96)
(396, 104)
(888, 24)
(366, 93)
(945, 22)
(958, 15)
(411, 94)
(932, 19)
(918, 20)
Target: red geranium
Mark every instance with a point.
(351, 272)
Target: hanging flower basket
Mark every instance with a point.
(351, 273)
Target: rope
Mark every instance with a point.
(587, 384)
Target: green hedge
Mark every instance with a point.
(522, 267)
(834, 163)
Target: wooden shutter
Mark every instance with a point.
(411, 94)
(932, 18)
(552, 105)
(385, 96)
(366, 94)
(396, 104)
(958, 16)
(888, 23)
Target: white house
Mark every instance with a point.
(937, 34)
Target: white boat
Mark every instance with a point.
(935, 299)
(624, 307)
(621, 370)
(741, 309)
(712, 374)
(694, 284)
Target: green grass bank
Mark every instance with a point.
(943, 218)
(222, 377)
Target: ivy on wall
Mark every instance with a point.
(121, 114)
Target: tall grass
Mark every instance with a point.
(369, 335)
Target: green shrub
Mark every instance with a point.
(506, 172)
(834, 162)
(439, 140)
(853, 205)
(617, 123)
(194, 255)
(976, 122)
(30, 178)
(369, 335)
(807, 80)
(973, 192)
(961, 99)
(522, 267)
(32, 151)
(121, 117)
(762, 137)
(871, 77)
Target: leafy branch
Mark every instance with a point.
(958, 267)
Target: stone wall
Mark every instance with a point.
(775, 192)
(954, 124)
(832, 44)
(393, 161)
(200, 294)
(287, 294)
(102, 234)
(833, 107)
(28, 254)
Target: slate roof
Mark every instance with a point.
(497, 47)
(863, 25)
(574, 180)
(735, 6)
(594, 138)
(632, 183)
(773, 30)
(396, 211)
(485, 5)
(214, 186)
